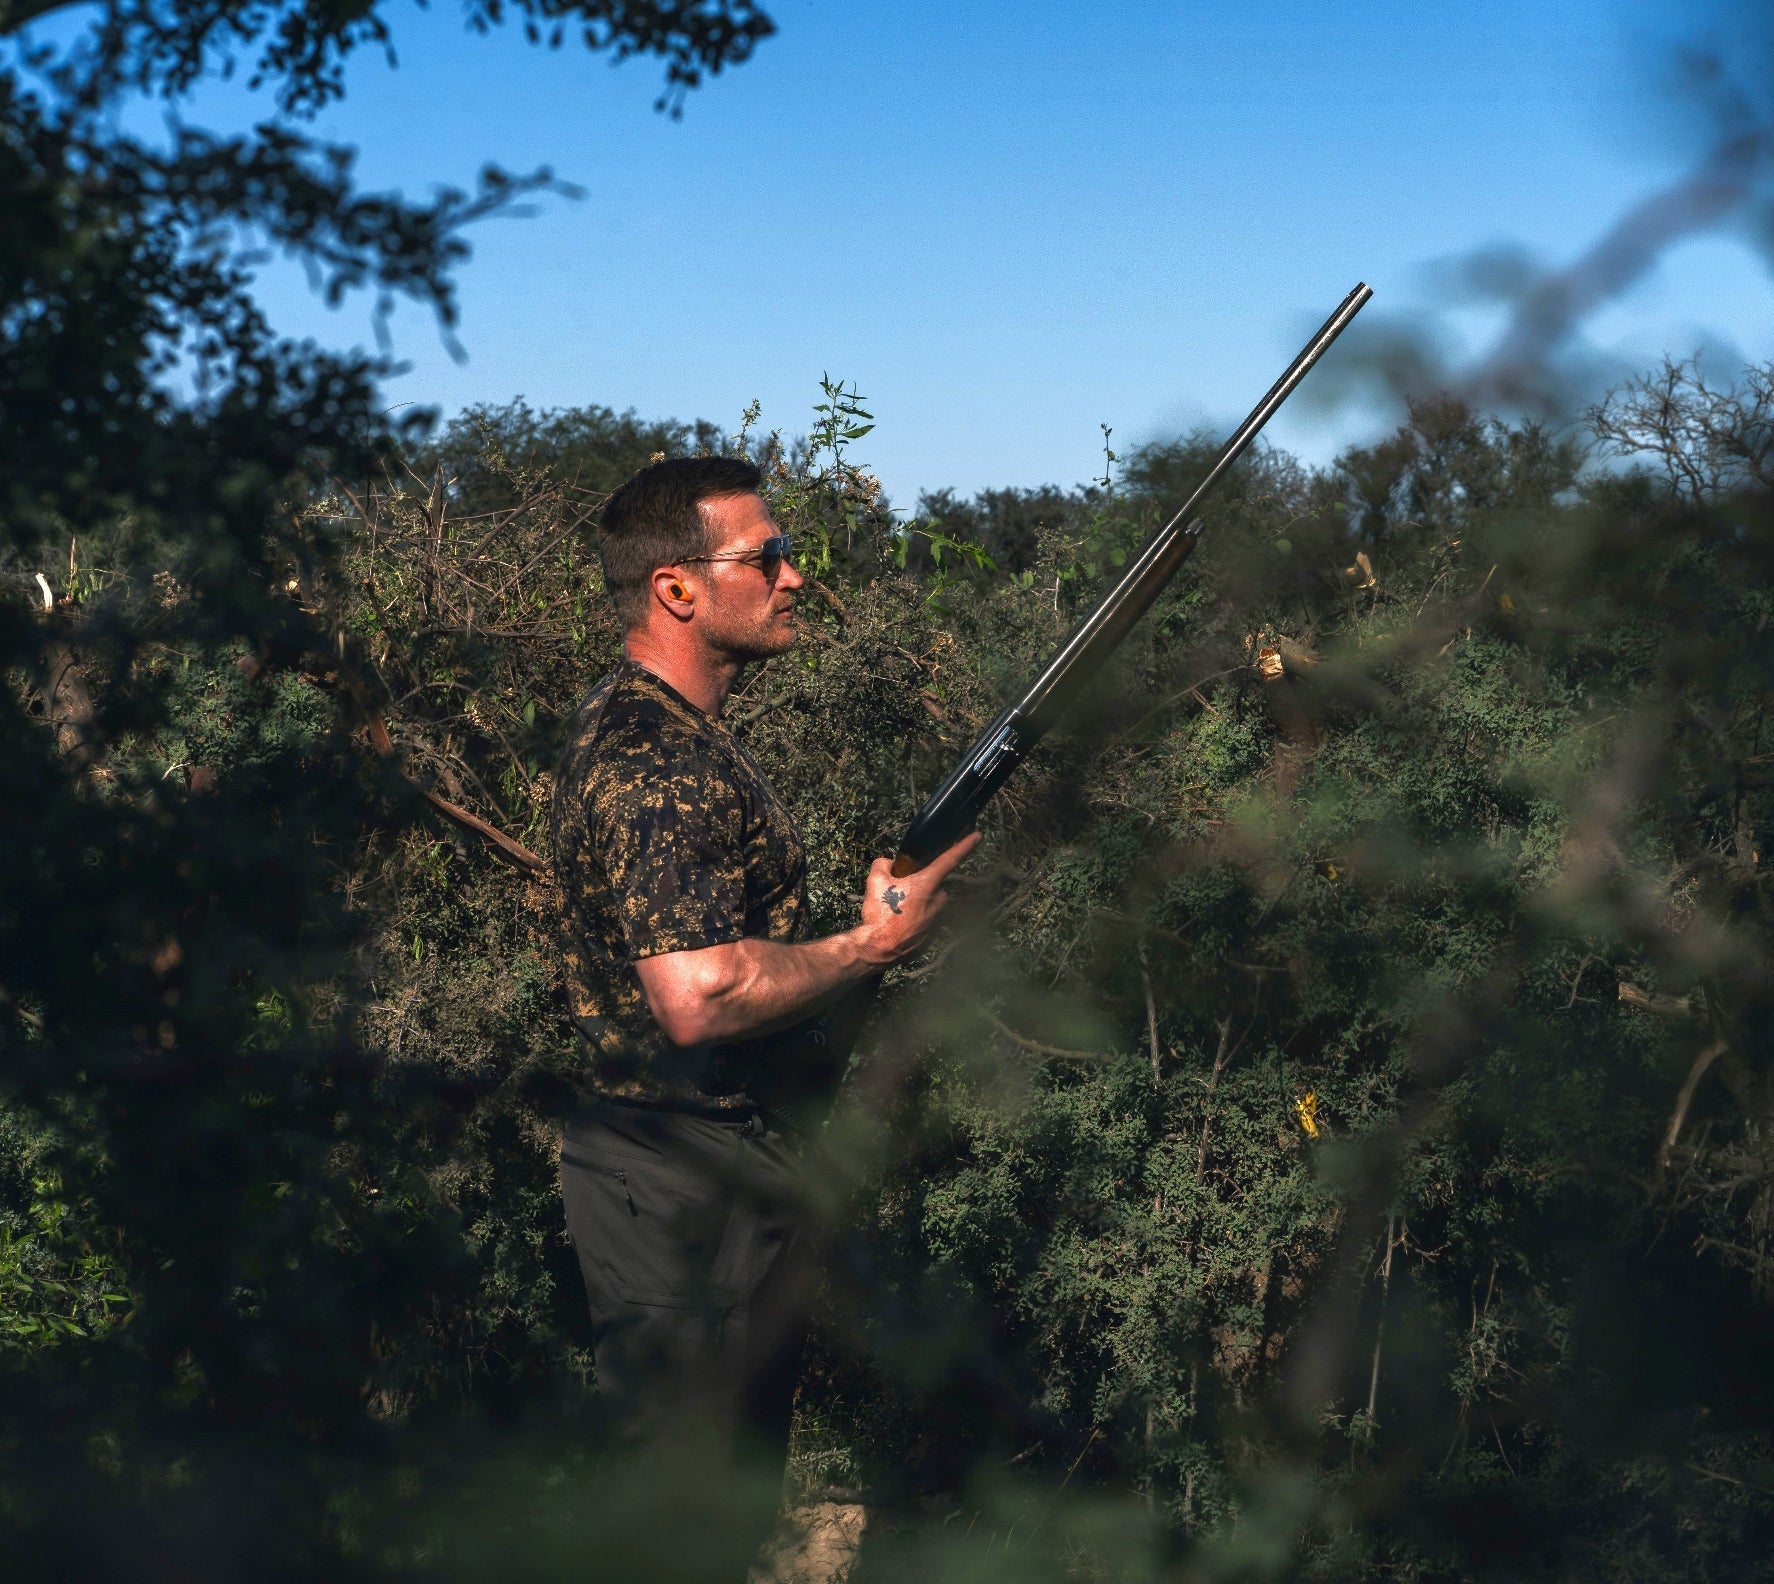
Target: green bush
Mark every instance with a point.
(1334, 1134)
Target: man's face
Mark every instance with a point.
(741, 613)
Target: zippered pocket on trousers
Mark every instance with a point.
(604, 1171)
(622, 1177)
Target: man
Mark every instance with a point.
(690, 972)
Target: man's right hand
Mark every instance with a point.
(899, 912)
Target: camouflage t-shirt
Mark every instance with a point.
(667, 837)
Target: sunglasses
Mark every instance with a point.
(767, 558)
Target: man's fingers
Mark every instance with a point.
(939, 867)
(919, 895)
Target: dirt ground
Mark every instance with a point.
(814, 1544)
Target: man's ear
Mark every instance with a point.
(675, 592)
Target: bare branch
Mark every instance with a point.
(1683, 1100)
(1058, 1052)
(507, 847)
(1664, 1006)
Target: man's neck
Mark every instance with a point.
(700, 678)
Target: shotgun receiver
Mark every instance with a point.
(954, 807)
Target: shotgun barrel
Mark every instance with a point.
(954, 807)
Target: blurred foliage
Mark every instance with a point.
(241, 1243)
(1334, 1140)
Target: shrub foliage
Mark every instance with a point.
(1335, 1133)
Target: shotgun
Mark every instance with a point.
(954, 806)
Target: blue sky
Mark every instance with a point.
(1009, 223)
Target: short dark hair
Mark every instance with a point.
(653, 521)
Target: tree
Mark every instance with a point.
(1339, 1123)
(192, 1141)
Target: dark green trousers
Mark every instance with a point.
(689, 1235)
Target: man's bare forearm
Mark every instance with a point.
(751, 987)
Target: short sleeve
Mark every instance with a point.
(667, 821)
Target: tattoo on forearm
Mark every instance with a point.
(893, 896)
